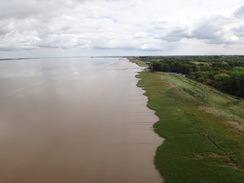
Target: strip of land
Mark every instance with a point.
(203, 128)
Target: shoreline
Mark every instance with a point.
(201, 144)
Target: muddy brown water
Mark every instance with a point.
(67, 121)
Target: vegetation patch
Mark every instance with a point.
(225, 73)
(204, 142)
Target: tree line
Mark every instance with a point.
(224, 74)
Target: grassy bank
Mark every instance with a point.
(203, 128)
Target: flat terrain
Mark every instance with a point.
(203, 128)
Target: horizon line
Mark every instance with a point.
(187, 55)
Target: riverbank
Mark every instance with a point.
(204, 130)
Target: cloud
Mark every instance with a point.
(240, 12)
(210, 29)
(81, 24)
(215, 29)
(119, 24)
(239, 31)
(175, 35)
(219, 30)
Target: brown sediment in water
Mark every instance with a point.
(66, 127)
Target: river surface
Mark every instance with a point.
(79, 120)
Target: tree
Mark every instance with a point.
(222, 82)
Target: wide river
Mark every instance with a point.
(79, 120)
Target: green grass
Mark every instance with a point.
(203, 128)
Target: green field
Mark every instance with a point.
(203, 128)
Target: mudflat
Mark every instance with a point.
(62, 121)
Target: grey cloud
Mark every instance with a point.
(240, 12)
(20, 9)
(219, 30)
(208, 30)
(176, 35)
(211, 30)
(239, 31)
(4, 27)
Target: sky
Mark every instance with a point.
(63, 28)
